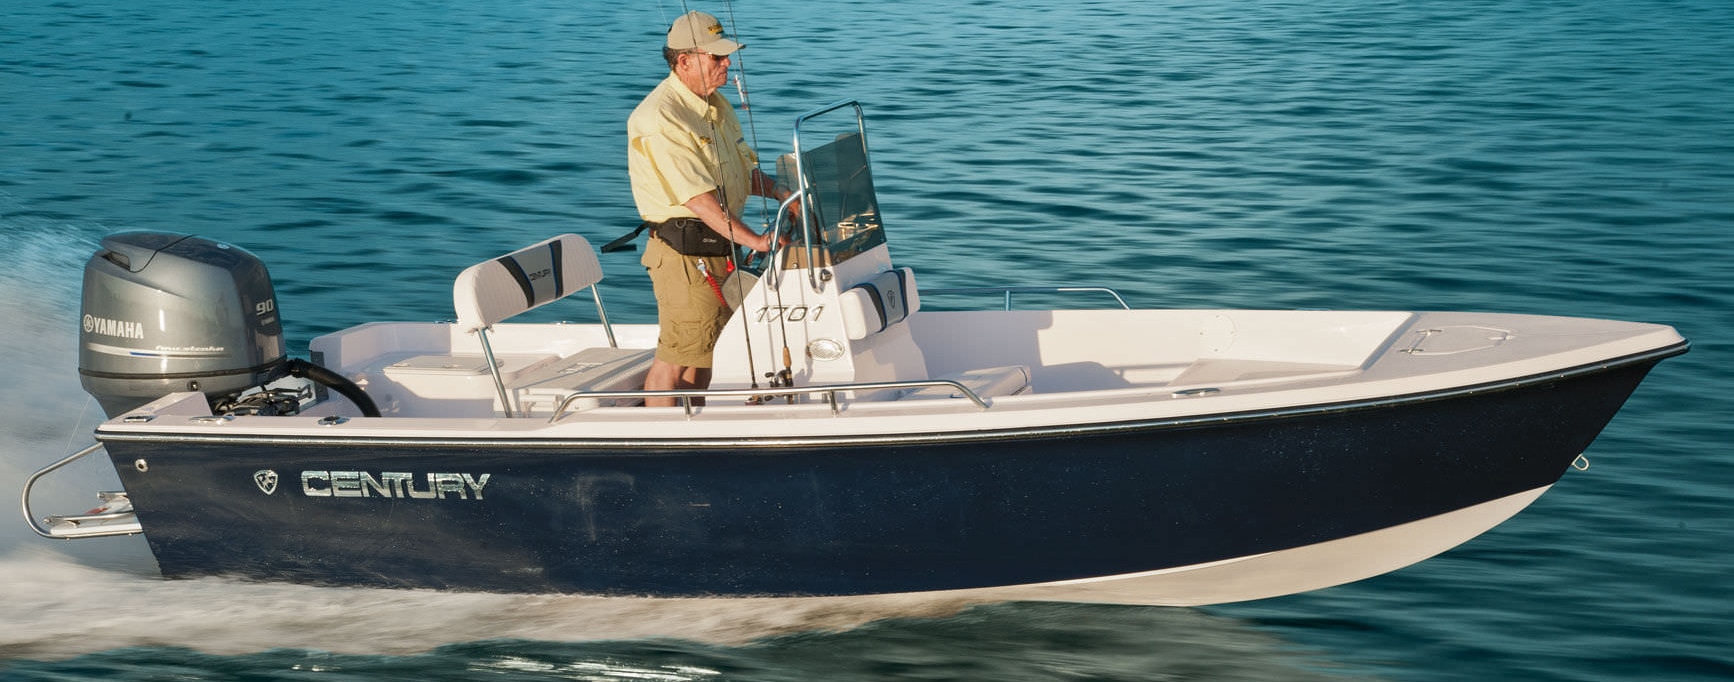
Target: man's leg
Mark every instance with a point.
(689, 317)
(666, 376)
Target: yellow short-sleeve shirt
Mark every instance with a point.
(680, 145)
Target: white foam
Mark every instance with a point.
(47, 413)
(54, 607)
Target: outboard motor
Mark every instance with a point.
(165, 312)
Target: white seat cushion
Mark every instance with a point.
(592, 369)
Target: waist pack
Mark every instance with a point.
(691, 237)
(688, 237)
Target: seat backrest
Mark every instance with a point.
(495, 290)
(874, 305)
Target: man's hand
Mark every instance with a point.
(762, 242)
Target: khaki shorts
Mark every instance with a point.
(689, 315)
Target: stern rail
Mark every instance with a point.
(115, 517)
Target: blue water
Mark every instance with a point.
(1513, 155)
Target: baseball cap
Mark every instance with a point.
(702, 32)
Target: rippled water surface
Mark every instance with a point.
(1525, 156)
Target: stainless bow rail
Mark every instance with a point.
(119, 520)
(1008, 291)
(686, 396)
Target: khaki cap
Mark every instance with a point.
(702, 32)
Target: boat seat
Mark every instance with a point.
(497, 289)
(878, 303)
(592, 369)
(987, 383)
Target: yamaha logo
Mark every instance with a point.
(266, 479)
(122, 329)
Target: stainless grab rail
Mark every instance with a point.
(686, 396)
(30, 517)
(1008, 291)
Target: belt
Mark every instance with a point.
(624, 242)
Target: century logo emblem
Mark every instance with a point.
(392, 484)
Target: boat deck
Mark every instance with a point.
(1027, 367)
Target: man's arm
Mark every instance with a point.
(710, 210)
(766, 186)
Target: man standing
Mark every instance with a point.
(691, 171)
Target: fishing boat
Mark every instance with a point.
(851, 443)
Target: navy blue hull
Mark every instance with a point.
(849, 518)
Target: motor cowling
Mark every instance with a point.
(165, 312)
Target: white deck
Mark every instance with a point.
(1083, 367)
(858, 322)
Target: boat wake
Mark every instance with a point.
(47, 413)
(55, 606)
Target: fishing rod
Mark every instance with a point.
(784, 376)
